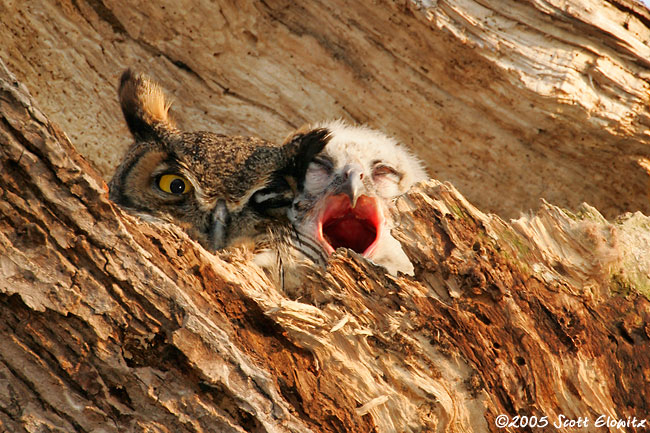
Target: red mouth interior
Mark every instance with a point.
(355, 228)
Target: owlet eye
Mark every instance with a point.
(174, 184)
(381, 170)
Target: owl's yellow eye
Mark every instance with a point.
(174, 184)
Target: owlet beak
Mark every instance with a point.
(353, 186)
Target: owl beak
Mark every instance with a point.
(353, 184)
(219, 227)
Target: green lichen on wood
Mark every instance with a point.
(510, 246)
(633, 231)
(517, 243)
(619, 285)
(459, 211)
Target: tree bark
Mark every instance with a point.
(510, 100)
(110, 323)
(115, 324)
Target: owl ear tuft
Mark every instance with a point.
(298, 151)
(145, 108)
(302, 146)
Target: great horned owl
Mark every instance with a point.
(221, 189)
(346, 197)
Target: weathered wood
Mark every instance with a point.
(114, 324)
(510, 100)
(109, 323)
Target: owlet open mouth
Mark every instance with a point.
(341, 225)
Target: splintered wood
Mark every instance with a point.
(110, 323)
(510, 100)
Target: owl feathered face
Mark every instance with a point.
(216, 187)
(348, 189)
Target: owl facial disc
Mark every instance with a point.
(357, 228)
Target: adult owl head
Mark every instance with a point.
(220, 189)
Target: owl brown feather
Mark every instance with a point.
(225, 187)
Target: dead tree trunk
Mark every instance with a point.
(109, 323)
(114, 324)
(510, 100)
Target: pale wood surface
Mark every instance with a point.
(110, 323)
(510, 100)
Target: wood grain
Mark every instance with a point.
(110, 323)
(511, 101)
